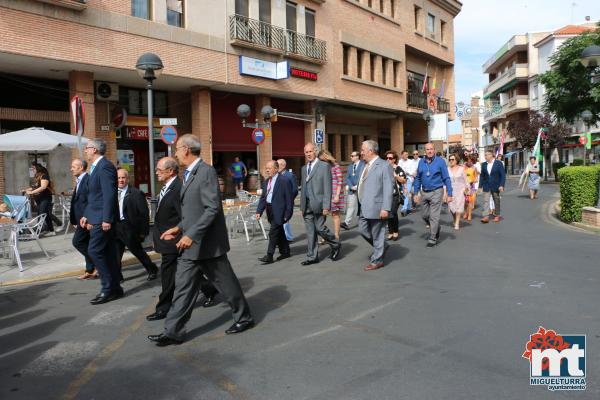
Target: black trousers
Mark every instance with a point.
(127, 238)
(81, 241)
(277, 236)
(168, 268)
(44, 206)
(102, 252)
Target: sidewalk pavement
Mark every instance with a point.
(64, 261)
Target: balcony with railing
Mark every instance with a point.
(420, 100)
(516, 72)
(443, 105)
(514, 104)
(247, 32)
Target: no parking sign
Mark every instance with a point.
(258, 136)
(168, 134)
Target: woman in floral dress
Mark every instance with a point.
(337, 193)
(459, 189)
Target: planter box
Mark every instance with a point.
(590, 216)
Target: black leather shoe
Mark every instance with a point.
(335, 253)
(163, 340)
(266, 260)
(105, 298)
(152, 276)
(283, 257)
(431, 243)
(239, 327)
(156, 316)
(344, 226)
(209, 301)
(309, 262)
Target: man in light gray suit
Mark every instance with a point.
(375, 192)
(203, 247)
(315, 203)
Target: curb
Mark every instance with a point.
(552, 212)
(129, 261)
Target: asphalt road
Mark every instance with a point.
(444, 323)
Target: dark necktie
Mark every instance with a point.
(309, 169)
(162, 193)
(353, 169)
(185, 175)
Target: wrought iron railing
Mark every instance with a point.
(443, 105)
(415, 99)
(267, 35)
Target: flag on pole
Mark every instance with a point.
(442, 88)
(537, 148)
(425, 88)
(588, 143)
(434, 85)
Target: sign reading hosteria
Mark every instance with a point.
(300, 73)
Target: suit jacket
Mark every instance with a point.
(497, 178)
(135, 211)
(79, 201)
(317, 188)
(168, 215)
(282, 202)
(102, 202)
(353, 180)
(202, 217)
(377, 189)
(292, 178)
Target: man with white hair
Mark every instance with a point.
(282, 165)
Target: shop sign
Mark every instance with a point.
(303, 74)
(264, 69)
(141, 133)
(168, 121)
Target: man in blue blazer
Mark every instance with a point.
(99, 218)
(277, 199)
(287, 228)
(81, 237)
(352, 177)
(491, 182)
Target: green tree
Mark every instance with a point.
(569, 88)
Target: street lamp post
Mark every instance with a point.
(149, 67)
(586, 116)
(243, 111)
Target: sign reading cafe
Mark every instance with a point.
(264, 69)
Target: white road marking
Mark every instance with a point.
(111, 316)
(60, 358)
(333, 328)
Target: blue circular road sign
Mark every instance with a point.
(168, 134)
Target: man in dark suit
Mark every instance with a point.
(315, 202)
(354, 172)
(277, 199)
(491, 182)
(99, 218)
(203, 247)
(81, 237)
(282, 164)
(168, 215)
(133, 223)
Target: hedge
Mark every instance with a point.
(555, 168)
(578, 188)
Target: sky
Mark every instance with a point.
(483, 26)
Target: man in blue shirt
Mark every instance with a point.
(432, 176)
(238, 172)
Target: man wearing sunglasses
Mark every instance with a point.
(410, 169)
(432, 176)
(352, 177)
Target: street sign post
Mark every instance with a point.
(319, 137)
(78, 115)
(168, 134)
(258, 136)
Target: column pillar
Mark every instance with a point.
(388, 70)
(352, 62)
(81, 83)
(265, 149)
(378, 73)
(365, 62)
(202, 121)
(387, 7)
(336, 148)
(397, 134)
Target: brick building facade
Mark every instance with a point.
(365, 59)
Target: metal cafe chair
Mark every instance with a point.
(8, 244)
(31, 231)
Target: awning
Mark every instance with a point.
(511, 153)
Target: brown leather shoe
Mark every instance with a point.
(485, 220)
(497, 218)
(86, 275)
(375, 266)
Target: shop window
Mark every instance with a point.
(140, 8)
(330, 143)
(175, 13)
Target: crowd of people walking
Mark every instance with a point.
(190, 231)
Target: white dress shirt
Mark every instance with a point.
(122, 194)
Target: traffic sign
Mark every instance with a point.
(168, 134)
(319, 136)
(168, 121)
(258, 136)
(583, 139)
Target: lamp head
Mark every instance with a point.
(590, 56)
(266, 112)
(149, 66)
(586, 115)
(243, 111)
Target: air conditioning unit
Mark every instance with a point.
(107, 91)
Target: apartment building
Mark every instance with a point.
(547, 46)
(352, 68)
